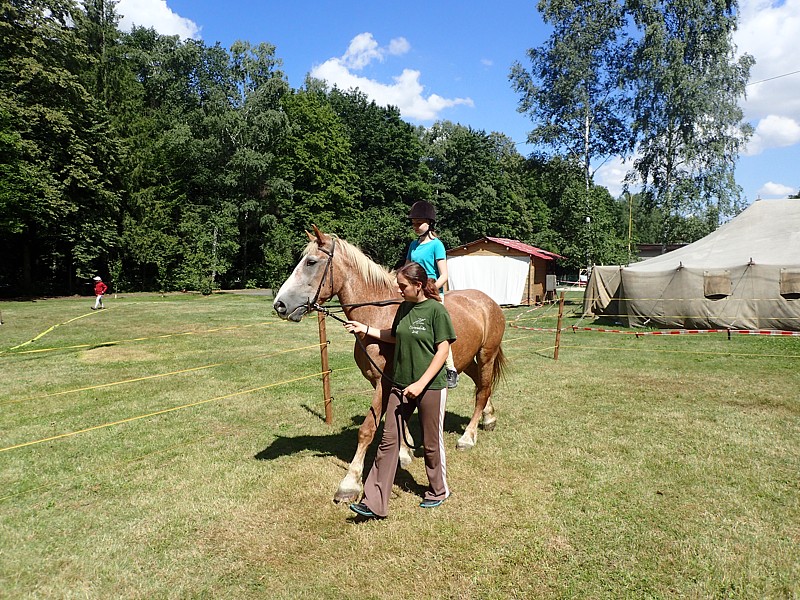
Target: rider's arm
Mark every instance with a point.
(441, 266)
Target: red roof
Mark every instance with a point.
(517, 245)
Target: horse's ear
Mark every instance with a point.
(319, 235)
(311, 237)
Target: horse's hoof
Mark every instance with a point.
(346, 496)
(406, 458)
(465, 444)
(490, 425)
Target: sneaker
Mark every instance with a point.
(362, 509)
(430, 503)
(452, 378)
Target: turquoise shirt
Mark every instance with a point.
(427, 254)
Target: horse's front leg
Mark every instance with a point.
(350, 487)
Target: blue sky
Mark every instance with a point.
(450, 60)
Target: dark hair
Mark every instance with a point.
(415, 273)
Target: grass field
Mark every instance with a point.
(175, 447)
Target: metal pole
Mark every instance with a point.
(558, 326)
(630, 224)
(326, 372)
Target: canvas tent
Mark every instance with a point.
(509, 271)
(744, 275)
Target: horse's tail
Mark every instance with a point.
(499, 367)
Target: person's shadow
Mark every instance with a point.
(342, 444)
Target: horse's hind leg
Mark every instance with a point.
(481, 373)
(489, 418)
(470, 436)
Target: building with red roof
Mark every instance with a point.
(509, 271)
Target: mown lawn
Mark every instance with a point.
(174, 446)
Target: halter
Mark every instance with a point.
(313, 304)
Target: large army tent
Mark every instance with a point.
(744, 275)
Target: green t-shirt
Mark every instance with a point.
(418, 328)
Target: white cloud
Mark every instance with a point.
(155, 14)
(487, 62)
(773, 132)
(399, 46)
(611, 176)
(406, 91)
(776, 190)
(769, 30)
(363, 49)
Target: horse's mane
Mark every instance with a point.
(369, 270)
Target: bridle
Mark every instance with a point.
(313, 304)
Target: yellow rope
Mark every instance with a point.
(48, 330)
(146, 377)
(49, 484)
(139, 339)
(160, 412)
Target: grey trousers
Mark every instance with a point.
(378, 486)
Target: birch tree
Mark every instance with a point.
(686, 119)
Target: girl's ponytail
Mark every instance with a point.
(415, 273)
(431, 291)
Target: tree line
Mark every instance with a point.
(169, 164)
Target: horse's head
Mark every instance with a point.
(311, 281)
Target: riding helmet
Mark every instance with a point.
(422, 210)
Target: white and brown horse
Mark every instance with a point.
(332, 267)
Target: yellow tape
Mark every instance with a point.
(127, 462)
(139, 339)
(158, 412)
(134, 380)
(46, 331)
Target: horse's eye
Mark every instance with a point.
(311, 261)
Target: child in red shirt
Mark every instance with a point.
(99, 289)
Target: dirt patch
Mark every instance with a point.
(116, 353)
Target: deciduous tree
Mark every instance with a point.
(687, 122)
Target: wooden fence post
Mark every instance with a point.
(326, 372)
(558, 325)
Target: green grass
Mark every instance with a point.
(658, 466)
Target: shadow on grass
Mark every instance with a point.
(342, 445)
(343, 442)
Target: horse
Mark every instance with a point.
(368, 293)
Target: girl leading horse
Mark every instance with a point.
(332, 267)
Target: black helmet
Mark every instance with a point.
(422, 210)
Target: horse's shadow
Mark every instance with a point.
(343, 442)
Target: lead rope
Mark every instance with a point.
(395, 386)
